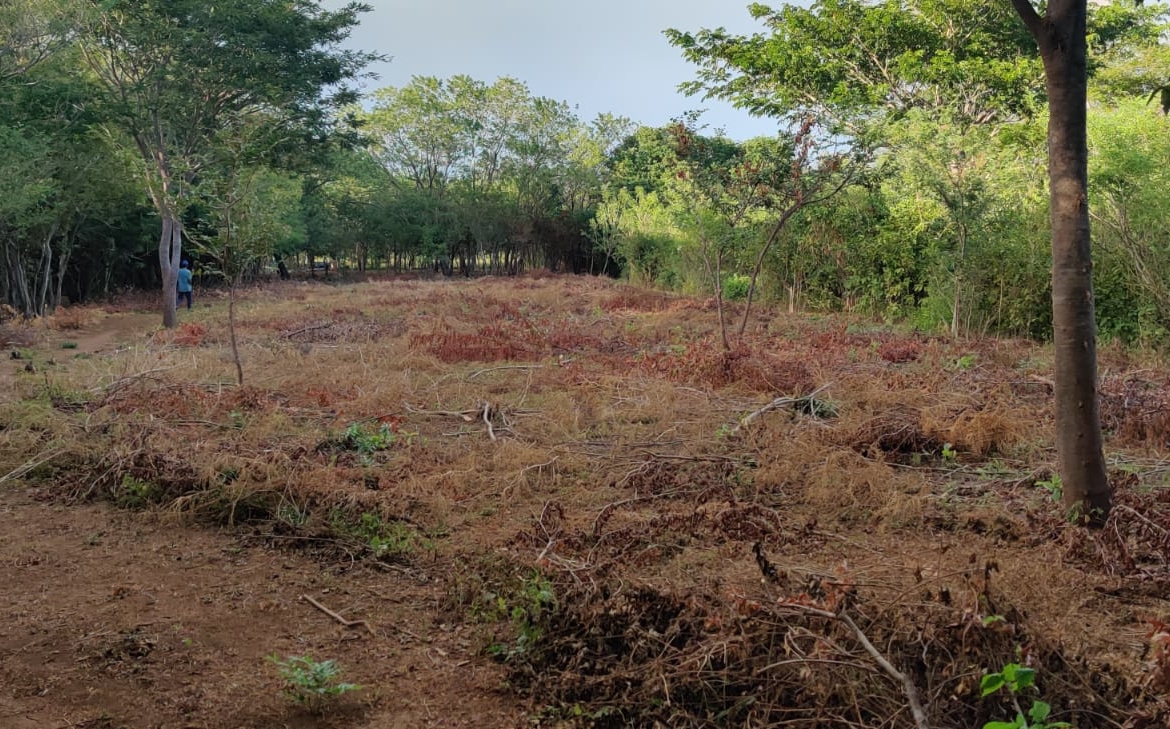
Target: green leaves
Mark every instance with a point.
(1016, 679)
(310, 682)
(1014, 676)
(850, 59)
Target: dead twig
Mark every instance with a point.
(777, 404)
(306, 330)
(38, 461)
(747, 460)
(338, 618)
(1120, 507)
(488, 411)
(128, 379)
(908, 687)
(477, 373)
(467, 415)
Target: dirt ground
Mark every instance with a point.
(557, 503)
(111, 618)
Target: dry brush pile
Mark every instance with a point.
(834, 524)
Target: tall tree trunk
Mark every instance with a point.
(45, 272)
(232, 331)
(62, 261)
(170, 254)
(18, 295)
(1060, 34)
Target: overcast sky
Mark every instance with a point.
(597, 55)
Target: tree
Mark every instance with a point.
(861, 62)
(1128, 177)
(511, 177)
(176, 72)
(33, 30)
(1060, 34)
(247, 212)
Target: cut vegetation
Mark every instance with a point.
(560, 501)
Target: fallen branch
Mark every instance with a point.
(477, 373)
(778, 403)
(1120, 507)
(128, 379)
(488, 411)
(306, 330)
(747, 460)
(908, 687)
(338, 618)
(40, 460)
(467, 415)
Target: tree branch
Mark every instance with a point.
(1032, 20)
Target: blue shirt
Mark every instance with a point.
(184, 280)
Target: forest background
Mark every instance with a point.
(906, 183)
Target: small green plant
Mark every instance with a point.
(292, 514)
(1052, 486)
(528, 611)
(366, 443)
(64, 398)
(966, 362)
(949, 454)
(1017, 679)
(308, 682)
(68, 345)
(384, 538)
(816, 407)
(735, 287)
(134, 493)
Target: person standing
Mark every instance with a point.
(185, 290)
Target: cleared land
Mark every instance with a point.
(556, 502)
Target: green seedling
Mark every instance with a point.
(308, 682)
(1016, 679)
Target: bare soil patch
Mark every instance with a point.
(111, 618)
(558, 503)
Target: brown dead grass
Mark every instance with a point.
(589, 434)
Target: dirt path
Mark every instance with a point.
(113, 330)
(102, 337)
(117, 619)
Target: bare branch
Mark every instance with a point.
(1032, 20)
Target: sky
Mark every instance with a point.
(600, 56)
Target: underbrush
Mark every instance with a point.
(822, 527)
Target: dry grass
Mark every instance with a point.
(586, 433)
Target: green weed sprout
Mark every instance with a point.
(1016, 678)
(310, 683)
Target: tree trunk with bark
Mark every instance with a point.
(1060, 33)
(170, 254)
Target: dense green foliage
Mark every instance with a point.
(906, 182)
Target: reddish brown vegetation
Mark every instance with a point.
(705, 521)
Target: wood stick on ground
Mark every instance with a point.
(338, 618)
(128, 379)
(488, 411)
(39, 460)
(776, 404)
(908, 687)
(305, 330)
(907, 684)
(477, 373)
(467, 415)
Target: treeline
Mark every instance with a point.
(906, 180)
